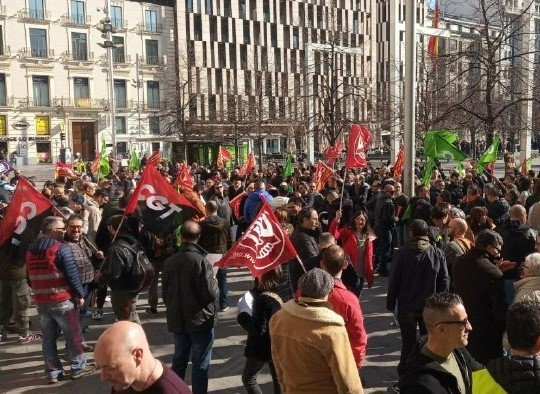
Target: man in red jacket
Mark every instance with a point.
(345, 303)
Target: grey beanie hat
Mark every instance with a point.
(315, 283)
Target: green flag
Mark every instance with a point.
(428, 169)
(104, 168)
(134, 163)
(287, 170)
(460, 169)
(489, 156)
(440, 144)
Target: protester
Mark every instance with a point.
(458, 245)
(306, 234)
(124, 357)
(310, 345)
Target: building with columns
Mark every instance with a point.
(54, 77)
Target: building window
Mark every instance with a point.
(266, 11)
(81, 92)
(3, 92)
(120, 94)
(36, 9)
(152, 94)
(118, 50)
(224, 30)
(222, 57)
(1, 41)
(40, 85)
(227, 8)
(152, 56)
(209, 7)
(150, 20)
(38, 42)
(189, 5)
(117, 18)
(247, 34)
(120, 124)
(77, 12)
(242, 9)
(153, 125)
(232, 56)
(197, 28)
(213, 28)
(79, 46)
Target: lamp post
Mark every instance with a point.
(107, 31)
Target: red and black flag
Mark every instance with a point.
(157, 205)
(154, 159)
(22, 221)
(236, 204)
(262, 247)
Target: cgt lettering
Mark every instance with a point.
(156, 202)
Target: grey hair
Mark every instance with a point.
(534, 263)
(50, 223)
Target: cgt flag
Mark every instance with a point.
(359, 140)
(22, 221)
(262, 247)
(322, 175)
(333, 152)
(157, 205)
(184, 178)
(236, 203)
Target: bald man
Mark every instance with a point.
(126, 362)
(459, 244)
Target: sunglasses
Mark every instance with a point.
(463, 322)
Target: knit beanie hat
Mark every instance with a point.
(315, 283)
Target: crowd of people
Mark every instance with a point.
(462, 256)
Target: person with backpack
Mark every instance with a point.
(119, 270)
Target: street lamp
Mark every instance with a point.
(107, 30)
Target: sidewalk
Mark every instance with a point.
(21, 367)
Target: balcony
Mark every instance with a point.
(149, 28)
(3, 13)
(29, 103)
(32, 15)
(5, 52)
(83, 104)
(154, 106)
(119, 59)
(124, 104)
(6, 102)
(37, 54)
(152, 61)
(78, 20)
(78, 57)
(119, 24)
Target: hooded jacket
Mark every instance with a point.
(519, 241)
(418, 270)
(498, 211)
(512, 375)
(311, 350)
(423, 375)
(215, 235)
(252, 202)
(118, 263)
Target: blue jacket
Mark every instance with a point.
(252, 203)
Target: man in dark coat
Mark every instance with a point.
(418, 270)
(385, 221)
(497, 207)
(359, 192)
(306, 235)
(190, 293)
(439, 363)
(480, 283)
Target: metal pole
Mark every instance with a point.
(111, 94)
(310, 143)
(139, 83)
(410, 98)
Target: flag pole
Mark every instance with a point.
(301, 264)
(343, 189)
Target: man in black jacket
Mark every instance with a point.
(190, 293)
(439, 363)
(385, 221)
(306, 235)
(418, 270)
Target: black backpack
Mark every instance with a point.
(142, 270)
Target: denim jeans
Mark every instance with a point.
(384, 249)
(198, 347)
(408, 322)
(14, 296)
(55, 317)
(221, 277)
(88, 293)
(252, 367)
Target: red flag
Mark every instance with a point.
(359, 140)
(154, 159)
(262, 247)
(250, 165)
(95, 163)
(22, 220)
(332, 153)
(225, 154)
(235, 204)
(155, 202)
(63, 169)
(184, 178)
(398, 165)
(433, 44)
(321, 176)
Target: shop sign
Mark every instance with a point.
(42, 125)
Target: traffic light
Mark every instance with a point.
(62, 136)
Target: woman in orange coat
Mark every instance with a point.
(357, 242)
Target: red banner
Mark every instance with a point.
(155, 202)
(433, 43)
(95, 163)
(262, 247)
(321, 176)
(359, 140)
(398, 166)
(235, 204)
(154, 159)
(63, 169)
(332, 153)
(184, 178)
(27, 203)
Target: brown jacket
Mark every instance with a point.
(311, 350)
